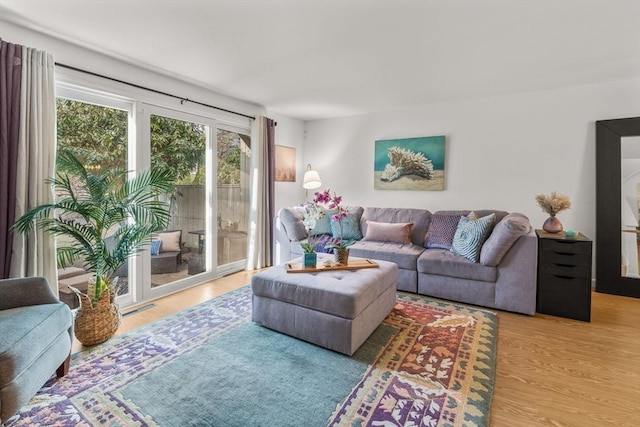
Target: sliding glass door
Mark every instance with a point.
(185, 256)
(232, 201)
(207, 233)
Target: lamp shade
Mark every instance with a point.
(311, 180)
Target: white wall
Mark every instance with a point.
(500, 151)
(290, 133)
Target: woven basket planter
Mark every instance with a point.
(95, 324)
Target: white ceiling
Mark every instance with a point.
(314, 59)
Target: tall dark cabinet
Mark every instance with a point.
(564, 275)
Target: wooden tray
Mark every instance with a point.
(353, 264)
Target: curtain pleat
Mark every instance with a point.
(259, 249)
(35, 255)
(10, 78)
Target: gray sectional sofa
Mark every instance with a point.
(504, 276)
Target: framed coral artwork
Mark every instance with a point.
(409, 164)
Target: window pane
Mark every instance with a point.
(181, 146)
(233, 195)
(98, 137)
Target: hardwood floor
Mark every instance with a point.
(560, 372)
(550, 371)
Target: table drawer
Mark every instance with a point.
(565, 246)
(566, 271)
(565, 258)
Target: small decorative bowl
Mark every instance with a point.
(570, 233)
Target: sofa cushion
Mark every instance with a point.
(389, 232)
(503, 236)
(80, 282)
(442, 228)
(65, 273)
(405, 255)
(350, 225)
(479, 213)
(484, 212)
(170, 241)
(29, 331)
(291, 219)
(419, 217)
(323, 224)
(471, 234)
(446, 263)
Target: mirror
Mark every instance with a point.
(618, 206)
(630, 209)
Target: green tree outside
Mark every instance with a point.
(98, 137)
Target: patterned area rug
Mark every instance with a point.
(430, 363)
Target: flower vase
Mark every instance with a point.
(552, 225)
(341, 255)
(310, 260)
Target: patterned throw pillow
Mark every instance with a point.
(441, 230)
(155, 247)
(350, 228)
(470, 235)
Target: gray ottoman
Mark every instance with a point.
(337, 310)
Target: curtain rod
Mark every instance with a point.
(181, 98)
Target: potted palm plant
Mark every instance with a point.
(106, 218)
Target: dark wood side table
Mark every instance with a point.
(564, 275)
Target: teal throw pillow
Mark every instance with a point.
(323, 224)
(470, 235)
(350, 228)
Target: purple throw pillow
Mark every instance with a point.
(441, 230)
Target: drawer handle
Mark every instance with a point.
(563, 277)
(566, 265)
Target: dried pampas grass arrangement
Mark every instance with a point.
(553, 203)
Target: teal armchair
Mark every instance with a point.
(36, 333)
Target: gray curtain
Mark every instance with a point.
(259, 250)
(10, 77)
(35, 255)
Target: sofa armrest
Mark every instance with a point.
(281, 243)
(25, 291)
(517, 276)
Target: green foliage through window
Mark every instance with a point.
(98, 137)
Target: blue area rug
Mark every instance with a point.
(294, 380)
(429, 364)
